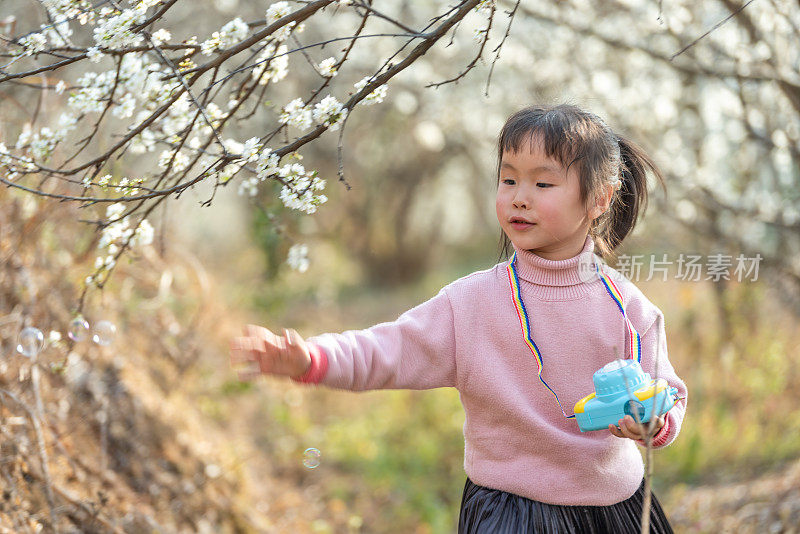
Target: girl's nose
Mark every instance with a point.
(520, 202)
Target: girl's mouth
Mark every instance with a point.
(521, 225)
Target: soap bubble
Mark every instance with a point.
(30, 341)
(104, 333)
(311, 457)
(78, 329)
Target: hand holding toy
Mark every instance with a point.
(623, 389)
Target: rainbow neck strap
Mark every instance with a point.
(635, 342)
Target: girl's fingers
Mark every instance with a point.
(293, 337)
(630, 429)
(269, 342)
(270, 353)
(241, 350)
(614, 430)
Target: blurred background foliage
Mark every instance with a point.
(720, 119)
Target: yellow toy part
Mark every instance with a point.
(648, 392)
(580, 405)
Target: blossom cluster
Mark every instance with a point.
(33, 43)
(327, 67)
(231, 33)
(14, 164)
(116, 30)
(42, 143)
(266, 166)
(68, 9)
(116, 234)
(329, 112)
(299, 188)
(297, 114)
(376, 96)
(277, 11)
(272, 64)
(298, 257)
(485, 6)
(138, 84)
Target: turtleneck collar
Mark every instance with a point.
(534, 268)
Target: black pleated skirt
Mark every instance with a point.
(490, 511)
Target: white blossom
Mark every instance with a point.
(94, 54)
(249, 187)
(126, 106)
(233, 32)
(119, 233)
(24, 136)
(376, 96)
(277, 11)
(230, 34)
(67, 122)
(298, 257)
(53, 337)
(115, 31)
(44, 142)
(267, 164)
(250, 149)
(144, 142)
(327, 67)
(161, 36)
(298, 193)
(275, 62)
(295, 113)
(87, 100)
(485, 6)
(33, 43)
(58, 33)
(330, 112)
(106, 262)
(114, 211)
(65, 9)
(144, 234)
(179, 162)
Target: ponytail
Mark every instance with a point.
(630, 202)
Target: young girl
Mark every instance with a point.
(521, 341)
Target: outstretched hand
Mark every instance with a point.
(628, 428)
(270, 354)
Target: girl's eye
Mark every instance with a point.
(543, 185)
(508, 181)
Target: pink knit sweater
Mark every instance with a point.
(468, 336)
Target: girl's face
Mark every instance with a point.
(538, 189)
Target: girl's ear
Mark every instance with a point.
(602, 201)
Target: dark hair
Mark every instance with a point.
(572, 135)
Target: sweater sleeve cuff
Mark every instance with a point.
(318, 368)
(660, 439)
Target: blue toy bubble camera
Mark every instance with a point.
(623, 388)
